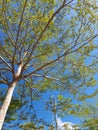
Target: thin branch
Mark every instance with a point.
(89, 39)
(45, 76)
(5, 62)
(5, 69)
(19, 27)
(65, 4)
(9, 33)
(4, 80)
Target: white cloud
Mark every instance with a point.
(60, 124)
(68, 125)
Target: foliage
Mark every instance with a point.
(91, 122)
(53, 41)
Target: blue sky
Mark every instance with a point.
(40, 105)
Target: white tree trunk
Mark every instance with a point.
(6, 103)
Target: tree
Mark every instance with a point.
(91, 121)
(45, 44)
(91, 124)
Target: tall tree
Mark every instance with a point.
(46, 43)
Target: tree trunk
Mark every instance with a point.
(6, 103)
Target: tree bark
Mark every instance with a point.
(6, 103)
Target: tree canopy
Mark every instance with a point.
(47, 46)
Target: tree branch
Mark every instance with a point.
(19, 27)
(88, 40)
(45, 76)
(5, 62)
